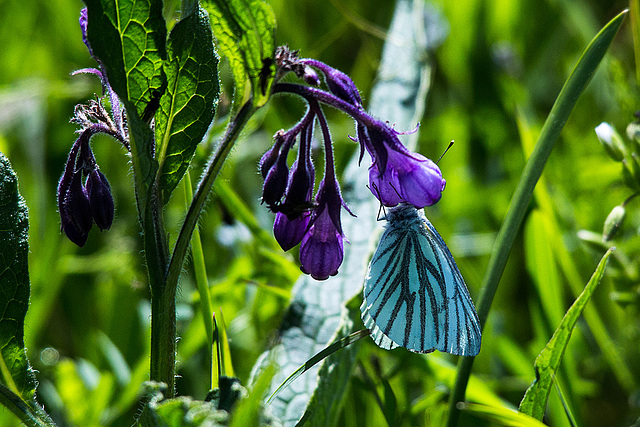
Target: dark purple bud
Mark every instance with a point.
(289, 232)
(338, 82)
(343, 87)
(302, 176)
(269, 158)
(321, 250)
(76, 211)
(275, 183)
(100, 198)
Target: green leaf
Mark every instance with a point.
(245, 30)
(313, 320)
(129, 37)
(181, 411)
(17, 380)
(188, 105)
(249, 411)
(500, 415)
(546, 365)
(15, 371)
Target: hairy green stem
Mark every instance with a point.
(163, 305)
(558, 116)
(204, 188)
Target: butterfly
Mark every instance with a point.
(414, 294)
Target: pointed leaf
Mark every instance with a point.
(188, 105)
(546, 365)
(129, 36)
(245, 30)
(17, 381)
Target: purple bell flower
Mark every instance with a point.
(321, 249)
(289, 232)
(408, 177)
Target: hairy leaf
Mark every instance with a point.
(188, 105)
(17, 381)
(548, 361)
(245, 30)
(178, 412)
(129, 37)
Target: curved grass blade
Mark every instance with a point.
(548, 361)
(17, 380)
(326, 352)
(245, 30)
(500, 415)
(573, 87)
(188, 105)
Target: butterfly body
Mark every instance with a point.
(414, 294)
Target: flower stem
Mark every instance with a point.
(203, 190)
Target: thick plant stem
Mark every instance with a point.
(163, 337)
(163, 305)
(558, 116)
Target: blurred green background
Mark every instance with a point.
(496, 77)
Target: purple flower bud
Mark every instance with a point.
(75, 211)
(99, 193)
(338, 82)
(321, 250)
(269, 158)
(289, 232)
(275, 183)
(408, 177)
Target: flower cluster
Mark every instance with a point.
(396, 175)
(84, 194)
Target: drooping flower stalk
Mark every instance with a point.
(84, 194)
(396, 175)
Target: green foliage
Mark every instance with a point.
(491, 84)
(188, 105)
(17, 380)
(129, 37)
(547, 363)
(245, 31)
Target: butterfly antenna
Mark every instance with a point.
(381, 208)
(445, 151)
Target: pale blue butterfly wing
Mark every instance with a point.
(414, 294)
